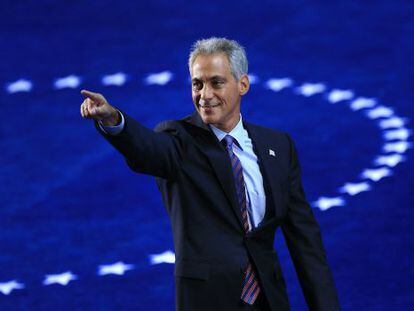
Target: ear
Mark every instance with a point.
(244, 85)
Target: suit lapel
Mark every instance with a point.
(219, 161)
(269, 163)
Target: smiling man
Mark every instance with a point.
(227, 186)
(216, 92)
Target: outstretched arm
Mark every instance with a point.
(156, 153)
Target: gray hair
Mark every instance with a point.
(233, 50)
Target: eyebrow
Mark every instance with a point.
(216, 77)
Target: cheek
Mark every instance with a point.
(195, 97)
(222, 97)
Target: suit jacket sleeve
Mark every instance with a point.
(157, 153)
(303, 238)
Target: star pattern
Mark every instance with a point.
(7, 287)
(325, 203)
(362, 102)
(376, 174)
(277, 85)
(161, 78)
(21, 85)
(390, 160)
(336, 95)
(380, 112)
(62, 279)
(165, 257)
(399, 147)
(309, 89)
(116, 79)
(401, 133)
(393, 129)
(118, 268)
(355, 188)
(71, 82)
(391, 123)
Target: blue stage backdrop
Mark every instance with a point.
(80, 231)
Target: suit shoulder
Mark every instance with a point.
(173, 124)
(167, 126)
(279, 137)
(263, 130)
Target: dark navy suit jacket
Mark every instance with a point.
(193, 173)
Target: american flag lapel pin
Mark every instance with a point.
(272, 153)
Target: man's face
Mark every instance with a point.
(216, 93)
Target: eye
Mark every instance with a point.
(217, 83)
(197, 85)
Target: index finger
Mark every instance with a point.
(90, 94)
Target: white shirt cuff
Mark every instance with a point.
(113, 130)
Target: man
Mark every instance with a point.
(227, 186)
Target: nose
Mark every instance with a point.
(206, 93)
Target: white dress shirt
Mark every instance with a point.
(255, 194)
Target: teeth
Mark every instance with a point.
(209, 106)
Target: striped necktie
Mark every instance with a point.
(250, 288)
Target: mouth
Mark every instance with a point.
(208, 106)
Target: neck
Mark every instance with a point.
(228, 126)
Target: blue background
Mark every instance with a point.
(69, 203)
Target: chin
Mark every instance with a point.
(207, 119)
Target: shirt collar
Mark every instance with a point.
(237, 133)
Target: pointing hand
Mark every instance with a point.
(96, 107)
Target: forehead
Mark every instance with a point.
(205, 66)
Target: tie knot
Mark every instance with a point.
(229, 140)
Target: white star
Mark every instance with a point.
(272, 152)
(398, 147)
(401, 133)
(336, 95)
(117, 268)
(278, 84)
(167, 257)
(21, 85)
(353, 189)
(253, 79)
(309, 89)
(376, 174)
(391, 123)
(62, 279)
(391, 160)
(117, 79)
(71, 81)
(363, 102)
(380, 112)
(160, 78)
(7, 287)
(325, 203)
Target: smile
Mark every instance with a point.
(209, 106)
